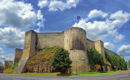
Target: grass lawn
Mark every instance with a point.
(96, 73)
(38, 74)
(72, 74)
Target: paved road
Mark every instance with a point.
(122, 76)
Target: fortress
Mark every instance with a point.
(73, 40)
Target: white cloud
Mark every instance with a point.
(127, 58)
(97, 13)
(17, 14)
(120, 18)
(109, 45)
(55, 5)
(119, 37)
(8, 56)
(1, 51)
(124, 49)
(11, 37)
(43, 3)
(40, 22)
(39, 15)
(2, 57)
(101, 29)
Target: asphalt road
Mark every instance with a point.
(121, 76)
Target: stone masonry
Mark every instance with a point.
(18, 55)
(74, 40)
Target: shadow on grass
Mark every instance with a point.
(70, 74)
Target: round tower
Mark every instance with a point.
(75, 43)
(74, 39)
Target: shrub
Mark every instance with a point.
(116, 62)
(129, 63)
(9, 70)
(13, 66)
(61, 61)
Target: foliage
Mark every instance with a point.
(94, 58)
(13, 66)
(117, 63)
(129, 63)
(61, 61)
(9, 70)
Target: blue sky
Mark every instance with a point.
(106, 20)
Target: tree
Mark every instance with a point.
(122, 64)
(94, 58)
(61, 61)
(116, 62)
(129, 63)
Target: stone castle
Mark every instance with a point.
(73, 40)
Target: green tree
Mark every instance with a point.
(129, 63)
(61, 61)
(122, 64)
(94, 58)
(116, 62)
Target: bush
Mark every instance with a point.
(13, 66)
(129, 63)
(116, 62)
(122, 64)
(94, 58)
(61, 61)
(9, 70)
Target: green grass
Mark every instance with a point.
(96, 73)
(38, 74)
(72, 74)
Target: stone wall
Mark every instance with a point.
(18, 55)
(79, 61)
(99, 46)
(50, 39)
(75, 43)
(74, 40)
(90, 44)
(30, 43)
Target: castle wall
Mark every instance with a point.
(74, 39)
(18, 55)
(50, 39)
(30, 43)
(99, 46)
(111, 52)
(74, 42)
(89, 44)
(79, 61)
